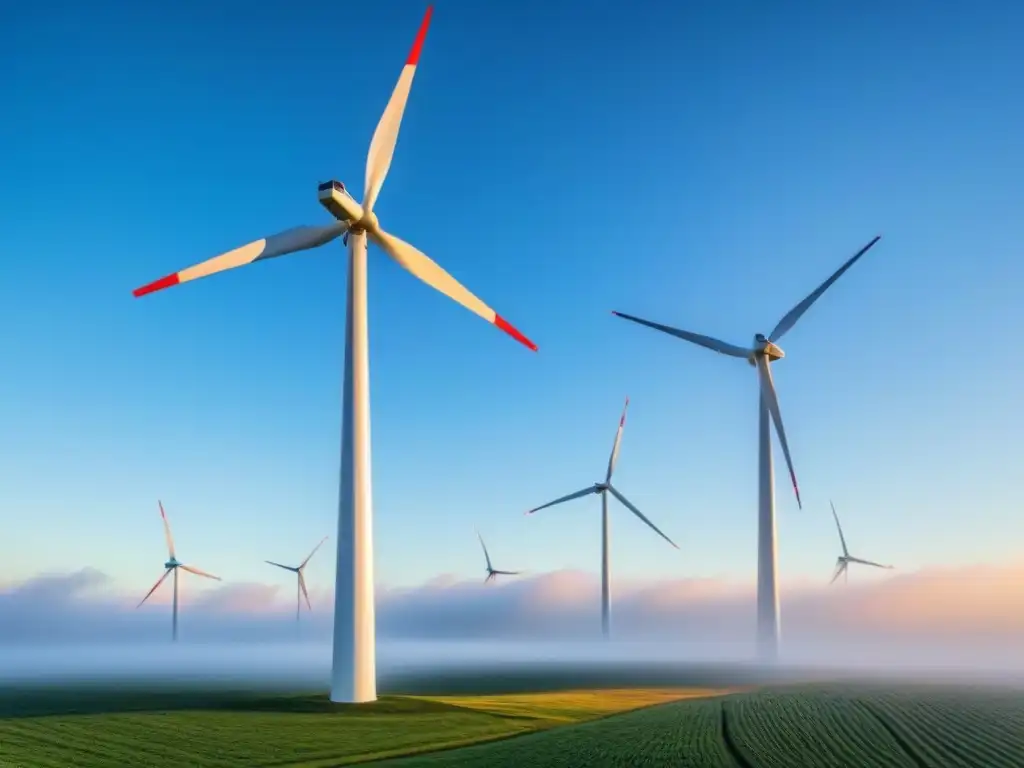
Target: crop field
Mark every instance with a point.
(796, 727)
(93, 727)
(792, 726)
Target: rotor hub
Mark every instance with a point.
(368, 223)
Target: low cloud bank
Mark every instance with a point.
(970, 617)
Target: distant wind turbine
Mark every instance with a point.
(761, 354)
(604, 489)
(843, 563)
(173, 565)
(297, 570)
(491, 571)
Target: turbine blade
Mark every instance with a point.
(635, 511)
(286, 567)
(508, 573)
(764, 373)
(842, 539)
(310, 556)
(305, 594)
(167, 530)
(705, 341)
(382, 146)
(618, 441)
(839, 572)
(486, 555)
(563, 499)
(796, 312)
(289, 241)
(427, 270)
(868, 562)
(198, 572)
(153, 588)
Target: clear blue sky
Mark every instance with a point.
(700, 164)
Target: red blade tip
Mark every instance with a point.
(157, 285)
(508, 328)
(417, 46)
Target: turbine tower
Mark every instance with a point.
(604, 489)
(761, 355)
(173, 565)
(491, 572)
(844, 560)
(353, 673)
(300, 589)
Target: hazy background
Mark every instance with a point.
(935, 622)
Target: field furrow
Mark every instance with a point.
(940, 741)
(738, 756)
(794, 731)
(993, 723)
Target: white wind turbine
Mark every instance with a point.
(353, 675)
(301, 587)
(763, 352)
(604, 489)
(173, 565)
(491, 571)
(844, 560)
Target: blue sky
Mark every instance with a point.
(700, 164)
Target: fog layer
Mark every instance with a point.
(934, 622)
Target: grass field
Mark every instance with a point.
(793, 726)
(800, 727)
(93, 727)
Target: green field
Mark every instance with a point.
(794, 726)
(95, 727)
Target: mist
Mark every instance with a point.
(938, 624)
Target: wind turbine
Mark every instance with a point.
(761, 355)
(301, 588)
(173, 565)
(604, 489)
(491, 572)
(844, 560)
(353, 675)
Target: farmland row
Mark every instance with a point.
(945, 739)
(786, 730)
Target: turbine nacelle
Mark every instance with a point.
(339, 203)
(764, 347)
(172, 563)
